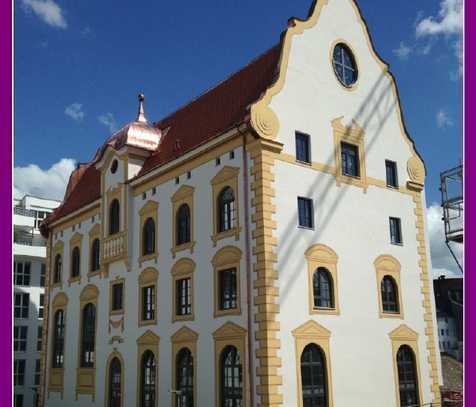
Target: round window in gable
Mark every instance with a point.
(344, 64)
(114, 166)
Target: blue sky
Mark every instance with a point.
(79, 65)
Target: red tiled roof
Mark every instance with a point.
(206, 117)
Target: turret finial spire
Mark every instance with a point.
(140, 113)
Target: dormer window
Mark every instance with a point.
(114, 167)
(114, 214)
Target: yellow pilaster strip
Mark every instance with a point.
(263, 154)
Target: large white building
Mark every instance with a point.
(264, 245)
(29, 275)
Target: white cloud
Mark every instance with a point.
(403, 51)
(50, 183)
(442, 119)
(75, 111)
(108, 120)
(48, 11)
(443, 262)
(449, 20)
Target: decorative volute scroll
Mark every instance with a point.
(416, 173)
(264, 120)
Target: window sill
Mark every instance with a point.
(74, 280)
(117, 312)
(226, 234)
(147, 257)
(305, 163)
(94, 273)
(177, 318)
(396, 244)
(397, 315)
(325, 311)
(305, 227)
(147, 322)
(180, 248)
(221, 313)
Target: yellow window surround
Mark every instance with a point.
(149, 210)
(182, 269)
(148, 341)
(313, 333)
(94, 233)
(404, 335)
(117, 281)
(75, 241)
(230, 334)
(149, 277)
(227, 176)
(184, 338)
(184, 195)
(56, 374)
(86, 376)
(354, 135)
(228, 257)
(387, 265)
(320, 255)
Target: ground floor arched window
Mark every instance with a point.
(313, 377)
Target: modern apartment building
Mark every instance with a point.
(29, 275)
(264, 245)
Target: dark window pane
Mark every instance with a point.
(183, 225)
(344, 65)
(391, 173)
(313, 377)
(95, 255)
(395, 231)
(323, 288)
(350, 159)
(117, 294)
(184, 379)
(184, 296)
(115, 383)
(148, 380)
(58, 339)
(389, 295)
(75, 262)
(303, 148)
(227, 289)
(42, 275)
(114, 217)
(407, 377)
(305, 212)
(88, 335)
(57, 269)
(231, 378)
(148, 303)
(148, 237)
(226, 210)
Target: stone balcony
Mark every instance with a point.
(114, 247)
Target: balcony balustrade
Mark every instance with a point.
(114, 247)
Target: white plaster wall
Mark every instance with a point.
(204, 324)
(353, 223)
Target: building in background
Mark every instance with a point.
(29, 274)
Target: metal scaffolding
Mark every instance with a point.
(452, 204)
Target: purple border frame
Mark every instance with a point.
(6, 202)
(470, 217)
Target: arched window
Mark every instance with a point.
(114, 217)
(389, 295)
(231, 391)
(183, 224)
(58, 269)
(313, 377)
(115, 385)
(75, 262)
(88, 335)
(58, 339)
(407, 377)
(184, 379)
(148, 237)
(323, 288)
(148, 375)
(226, 209)
(95, 253)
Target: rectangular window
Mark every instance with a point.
(19, 372)
(18, 400)
(22, 273)
(20, 338)
(22, 303)
(183, 296)
(227, 289)
(305, 211)
(391, 170)
(117, 297)
(395, 231)
(350, 159)
(148, 303)
(39, 339)
(303, 151)
(37, 372)
(42, 274)
(41, 306)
